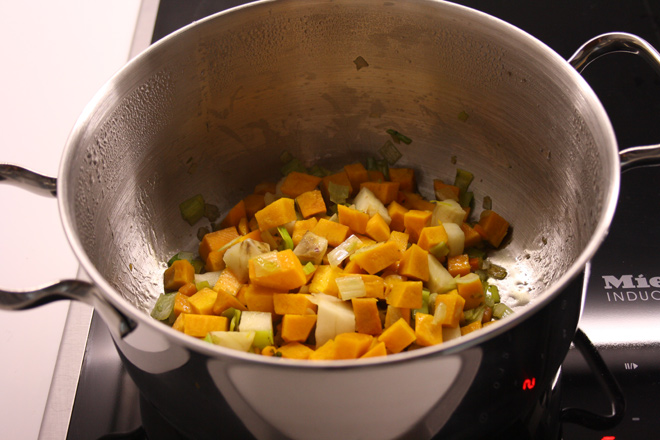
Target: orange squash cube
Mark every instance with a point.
(357, 174)
(226, 301)
(301, 227)
(253, 203)
(297, 183)
(200, 325)
(367, 317)
(377, 349)
(216, 240)
(406, 294)
(293, 304)
(405, 177)
(259, 298)
(397, 213)
(282, 271)
(398, 336)
(471, 289)
(311, 203)
(295, 350)
(426, 332)
(334, 232)
(323, 280)
(354, 219)
(459, 265)
(178, 274)
(181, 304)
(279, 212)
(351, 345)
(375, 258)
(325, 352)
(296, 328)
(430, 236)
(386, 192)
(453, 304)
(414, 221)
(202, 302)
(473, 326)
(415, 263)
(377, 228)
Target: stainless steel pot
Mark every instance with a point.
(210, 109)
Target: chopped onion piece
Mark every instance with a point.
(440, 313)
(344, 250)
(236, 258)
(366, 201)
(351, 286)
(311, 248)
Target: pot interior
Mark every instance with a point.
(211, 109)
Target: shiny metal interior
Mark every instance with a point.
(210, 109)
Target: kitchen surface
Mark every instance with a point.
(56, 385)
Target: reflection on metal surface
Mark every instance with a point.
(281, 400)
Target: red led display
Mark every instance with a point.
(608, 437)
(528, 384)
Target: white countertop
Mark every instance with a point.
(55, 54)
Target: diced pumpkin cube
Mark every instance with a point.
(354, 219)
(353, 268)
(216, 240)
(393, 314)
(323, 280)
(325, 352)
(444, 191)
(426, 332)
(397, 213)
(178, 274)
(405, 177)
(453, 305)
(296, 328)
(311, 203)
(234, 215)
(415, 263)
(472, 237)
(459, 265)
(494, 227)
(215, 261)
(254, 203)
(200, 325)
(415, 201)
(473, 326)
(265, 187)
(401, 239)
(406, 294)
(398, 336)
(375, 258)
(414, 221)
(340, 178)
(378, 349)
(375, 176)
(374, 285)
(243, 226)
(351, 345)
(203, 301)
(227, 282)
(386, 192)
(260, 298)
(367, 317)
(188, 289)
(377, 228)
(181, 304)
(226, 301)
(297, 183)
(357, 174)
(275, 214)
(295, 350)
(301, 227)
(293, 304)
(471, 289)
(431, 236)
(178, 322)
(334, 232)
(282, 271)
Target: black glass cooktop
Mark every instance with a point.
(622, 309)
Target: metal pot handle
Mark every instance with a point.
(117, 322)
(622, 42)
(607, 382)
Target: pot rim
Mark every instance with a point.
(473, 16)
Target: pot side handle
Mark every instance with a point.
(622, 42)
(117, 322)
